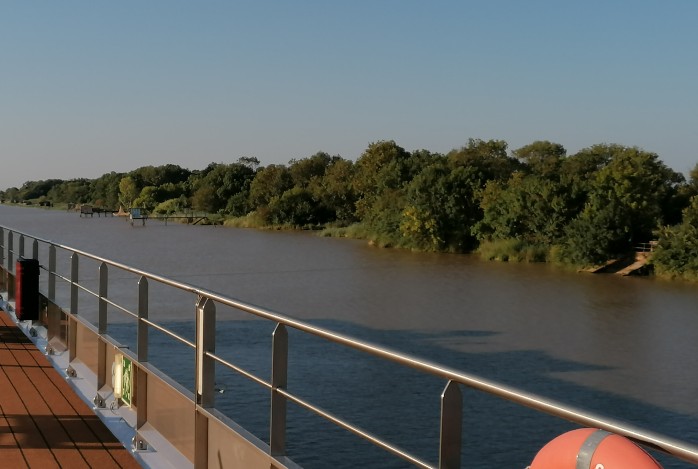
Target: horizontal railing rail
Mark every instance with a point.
(646, 247)
(206, 358)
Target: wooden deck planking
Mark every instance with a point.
(43, 423)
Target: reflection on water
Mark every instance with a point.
(622, 346)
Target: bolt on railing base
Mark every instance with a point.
(138, 443)
(99, 402)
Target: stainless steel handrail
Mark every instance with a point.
(251, 376)
(676, 448)
(356, 430)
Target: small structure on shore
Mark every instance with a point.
(137, 213)
(636, 263)
(86, 209)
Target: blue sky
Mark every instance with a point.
(92, 87)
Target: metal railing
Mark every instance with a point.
(646, 247)
(206, 358)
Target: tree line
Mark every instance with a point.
(533, 203)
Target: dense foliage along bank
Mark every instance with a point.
(535, 203)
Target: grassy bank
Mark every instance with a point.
(513, 250)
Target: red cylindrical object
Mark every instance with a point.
(27, 290)
(589, 448)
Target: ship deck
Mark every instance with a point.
(43, 421)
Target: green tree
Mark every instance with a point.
(542, 158)
(169, 207)
(249, 161)
(641, 184)
(73, 191)
(128, 191)
(530, 208)
(673, 211)
(578, 171)
(12, 194)
(204, 199)
(385, 216)
(381, 168)
(296, 207)
(105, 190)
(305, 170)
(147, 198)
(677, 249)
(625, 203)
(269, 182)
(171, 190)
(419, 160)
(441, 208)
(598, 234)
(488, 158)
(158, 175)
(335, 192)
(35, 189)
(693, 181)
(225, 188)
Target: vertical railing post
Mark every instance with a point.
(54, 313)
(205, 342)
(10, 261)
(102, 326)
(74, 267)
(52, 273)
(141, 375)
(205, 376)
(451, 427)
(21, 254)
(142, 351)
(141, 397)
(142, 332)
(10, 249)
(2, 259)
(279, 377)
(103, 291)
(72, 322)
(35, 249)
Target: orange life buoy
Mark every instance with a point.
(589, 448)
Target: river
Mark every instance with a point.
(622, 346)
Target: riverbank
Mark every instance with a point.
(508, 250)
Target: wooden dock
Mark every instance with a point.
(625, 266)
(640, 261)
(141, 214)
(43, 422)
